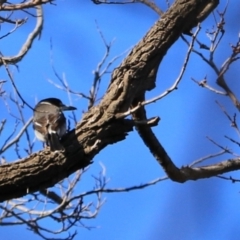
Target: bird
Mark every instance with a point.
(49, 122)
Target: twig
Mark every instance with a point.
(204, 84)
(3, 122)
(28, 43)
(17, 25)
(8, 20)
(225, 66)
(232, 140)
(13, 83)
(218, 145)
(169, 90)
(148, 3)
(233, 180)
(16, 139)
(232, 121)
(125, 189)
(207, 157)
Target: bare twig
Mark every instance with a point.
(218, 145)
(3, 122)
(169, 90)
(13, 83)
(205, 84)
(152, 5)
(215, 40)
(232, 120)
(207, 158)
(2, 92)
(17, 25)
(125, 189)
(233, 180)
(148, 3)
(232, 140)
(8, 20)
(10, 136)
(28, 43)
(17, 138)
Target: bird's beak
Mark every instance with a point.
(67, 108)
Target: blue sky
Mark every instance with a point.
(206, 209)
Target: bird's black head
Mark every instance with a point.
(56, 102)
(53, 101)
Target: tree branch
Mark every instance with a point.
(99, 126)
(29, 41)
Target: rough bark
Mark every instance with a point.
(102, 125)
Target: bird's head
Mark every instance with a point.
(58, 103)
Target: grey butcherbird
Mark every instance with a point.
(49, 122)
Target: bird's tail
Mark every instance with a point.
(54, 143)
